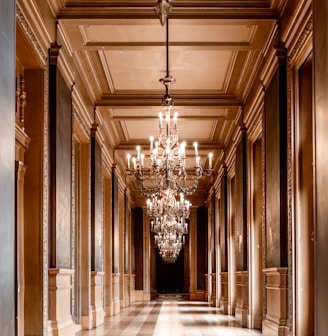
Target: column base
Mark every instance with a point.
(241, 307)
(60, 320)
(197, 296)
(97, 310)
(140, 295)
(224, 300)
(213, 301)
(64, 327)
(116, 303)
(87, 322)
(132, 287)
(270, 328)
(275, 320)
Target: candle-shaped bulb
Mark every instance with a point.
(175, 119)
(183, 149)
(167, 119)
(138, 152)
(134, 163)
(210, 156)
(196, 148)
(160, 115)
(142, 159)
(151, 143)
(128, 157)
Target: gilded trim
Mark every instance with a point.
(30, 35)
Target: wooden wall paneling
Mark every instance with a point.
(241, 207)
(276, 170)
(138, 246)
(320, 47)
(202, 266)
(115, 223)
(60, 119)
(96, 206)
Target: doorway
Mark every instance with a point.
(169, 276)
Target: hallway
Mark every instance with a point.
(170, 316)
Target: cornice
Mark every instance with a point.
(219, 9)
(299, 24)
(254, 116)
(304, 39)
(30, 34)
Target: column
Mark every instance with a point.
(240, 234)
(115, 245)
(276, 207)
(320, 29)
(60, 221)
(7, 168)
(97, 274)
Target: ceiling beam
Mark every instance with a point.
(179, 100)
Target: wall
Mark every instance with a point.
(7, 168)
(320, 13)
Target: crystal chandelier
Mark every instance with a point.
(168, 221)
(168, 214)
(166, 175)
(169, 245)
(167, 166)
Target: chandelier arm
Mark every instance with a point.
(146, 191)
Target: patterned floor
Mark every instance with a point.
(170, 316)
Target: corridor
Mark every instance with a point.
(170, 316)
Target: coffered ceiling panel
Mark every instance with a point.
(141, 69)
(149, 31)
(189, 129)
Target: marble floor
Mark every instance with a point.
(170, 316)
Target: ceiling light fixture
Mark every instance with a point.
(168, 220)
(167, 156)
(167, 173)
(163, 8)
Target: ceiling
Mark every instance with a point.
(215, 50)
